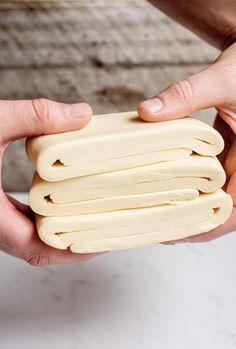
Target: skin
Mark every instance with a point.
(20, 119)
(215, 86)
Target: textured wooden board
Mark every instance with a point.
(88, 35)
(65, 3)
(111, 54)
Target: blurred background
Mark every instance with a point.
(111, 56)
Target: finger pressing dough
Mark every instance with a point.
(121, 182)
(136, 227)
(119, 141)
(143, 186)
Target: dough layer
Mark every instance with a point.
(136, 227)
(142, 186)
(114, 142)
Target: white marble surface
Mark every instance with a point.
(168, 297)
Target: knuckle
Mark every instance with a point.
(37, 259)
(182, 90)
(41, 110)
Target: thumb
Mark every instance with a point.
(19, 119)
(202, 90)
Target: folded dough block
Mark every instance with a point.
(136, 183)
(135, 227)
(119, 141)
(143, 186)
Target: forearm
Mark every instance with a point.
(213, 20)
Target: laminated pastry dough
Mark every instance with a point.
(114, 142)
(121, 183)
(143, 186)
(121, 229)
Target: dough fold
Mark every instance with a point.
(136, 227)
(121, 183)
(119, 141)
(142, 186)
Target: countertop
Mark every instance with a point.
(168, 297)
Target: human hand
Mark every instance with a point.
(214, 86)
(20, 119)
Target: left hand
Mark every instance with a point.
(20, 119)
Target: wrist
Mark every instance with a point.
(228, 39)
(213, 22)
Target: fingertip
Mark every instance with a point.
(88, 110)
(88, 114)
(145, 115)
(82, 113)
(149, 110)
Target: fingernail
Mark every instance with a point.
(80, 110)
(154, 105)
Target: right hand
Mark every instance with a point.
(214, 86)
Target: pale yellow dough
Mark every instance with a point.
(142, 186)
(121, 183)
(119, 141)
(132, 228)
